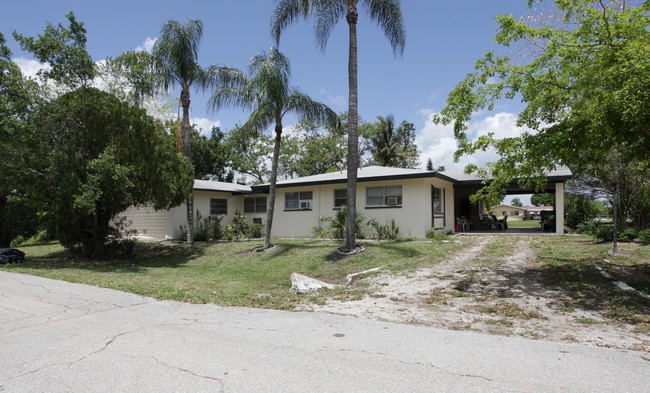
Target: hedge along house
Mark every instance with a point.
(417, 200)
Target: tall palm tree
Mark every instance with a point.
(176, 60)
(388, 15)
(270, 95)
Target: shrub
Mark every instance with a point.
(385, 231)
(319, 232)
(645, 237)
(255, 231)
(588, 228)
(627, 235)
(339, 221)
(605, 233)
(208, 227)
(433, 235)
(240, 228)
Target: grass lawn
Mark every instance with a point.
(570, 264)
(226, 273)
(524, 224)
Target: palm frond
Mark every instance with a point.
(176, 51)
(261, 118)
(288, 11)
(388, 15)
(304, 106)
(328, 14)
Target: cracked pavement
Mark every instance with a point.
(62, 337)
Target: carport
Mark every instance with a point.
(467, 185)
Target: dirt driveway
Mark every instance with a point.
(494, 285)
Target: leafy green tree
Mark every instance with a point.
(18, 97)
(176, 60)
(388, 15)
(544, 199)
(583, 77)
(98, 156)
(516, 202)
(64, 49)
(271, 96)
(395, 147)
(211, 156)
(312, 150)
(579, 208)
(131, 77)
(430, 165)
(250, 150)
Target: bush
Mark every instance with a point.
(319, 232)
(433, 235)
(645, 237)
(208, 227)
(255, 231)
(339, 221)
(605, 233)
(241, 229)
(385, 231)
(627, 235)
(588, 228)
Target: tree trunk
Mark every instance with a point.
(353, 125)
(274, 179)
(187, 151)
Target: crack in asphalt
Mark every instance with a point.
(408, 363)
(187, 371)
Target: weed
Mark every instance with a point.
(464, 284)
(587, 321)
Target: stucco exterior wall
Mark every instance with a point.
(178, 215)
(413, 217)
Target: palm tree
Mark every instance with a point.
(388, 15)
(387, 148)
(176, 61)
(270, 95)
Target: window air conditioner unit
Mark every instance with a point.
(391, 200)
(305, 205)
(257, 220)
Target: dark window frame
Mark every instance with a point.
(215, 206)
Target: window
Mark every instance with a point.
(255, 205)
(218, 206)
(436, 197)
(298, 200)
(514, 212)
(504, 213)
(384, 196)
(340, 197)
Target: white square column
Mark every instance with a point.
(559, 208)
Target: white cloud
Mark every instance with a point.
(147, 45)
(438, 143)
(30, 67)
(205, 125)
(338, 101)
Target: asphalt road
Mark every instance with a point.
(61, 337)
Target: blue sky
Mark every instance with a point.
(444, 40)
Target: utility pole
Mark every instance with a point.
(615, 218)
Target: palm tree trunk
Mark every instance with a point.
(353, 124)
(187, 151)
(274, 179)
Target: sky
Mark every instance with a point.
(443, 41)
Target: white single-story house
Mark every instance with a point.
(417, 200)
(514, 213)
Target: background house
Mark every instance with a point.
(514, 213)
